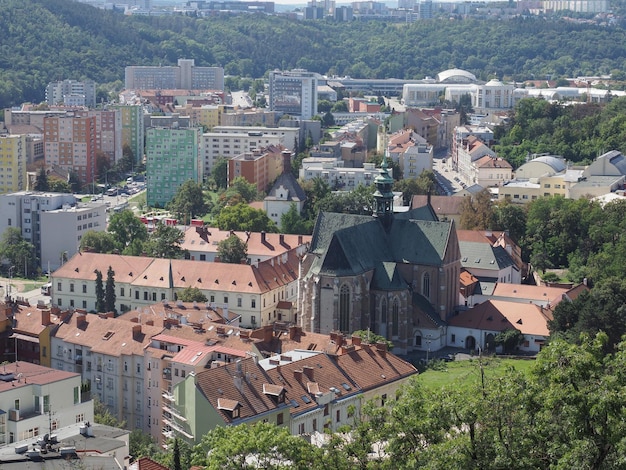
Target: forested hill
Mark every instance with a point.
(45, 40)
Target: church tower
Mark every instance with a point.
(383, 197)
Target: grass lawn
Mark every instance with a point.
(458, 372)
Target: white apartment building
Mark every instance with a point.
(216, 145)
(294, 92)
(109, 356)
(71, 93)
(38, 400)
(24, 210)
(64, 228)
(336, 175)
(186, 75)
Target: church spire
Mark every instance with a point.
(383, 197)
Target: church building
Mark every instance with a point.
(394, 273)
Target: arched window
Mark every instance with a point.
(426, 285)
(344, 308)
(383, 311)
(395, 318)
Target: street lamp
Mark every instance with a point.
(10, 281)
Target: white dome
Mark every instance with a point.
(456, 76)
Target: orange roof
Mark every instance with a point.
(109, 336)
(146, 463)
(442, 205)
(467, 278)
(499, 315)
(192, 313)
(551, 295)
(488, 161)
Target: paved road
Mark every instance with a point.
(17, 290)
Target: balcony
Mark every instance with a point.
(174, 413)
(167, 396)
(167, 374)
(177, 428)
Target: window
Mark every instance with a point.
(253, 319)
(16, 404)
(453, 338)
(44, 351)
(71, 287)
(225, 299)
(344, 308)
(137, 294)
(338, 416)
(59, 287)
(84, 304)
(426, 285)
(121, 292)
(395, 320)
(315, 425)
(326, 410)
(80, 418)
(253, 303)
(212, 298)
(279, 419)
(84, 288)
(238, 301)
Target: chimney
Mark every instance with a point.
(281, 237)
(381, 347)
(150, 322)
(339, 340)
(356, 340)
(136, 330)
(134, 320)
(294, 331)
(308, 371)
(263, 237)
(286, 161)
(81, 320)
(299, 239)
(268, 333)
(45, 318)
(297, 373)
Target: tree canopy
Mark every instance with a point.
(189, 202)
(232, 250)
(242, 217)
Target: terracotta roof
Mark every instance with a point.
(31, 374)
(489, 162)
(155, 272)
(146, 463)
(224, 336)
(551, 295)
(191, 313)
(32, 321)
(467, 278)
(575, 291)
(109, 336)
(369, 367)
(241, 382)
(499, 315)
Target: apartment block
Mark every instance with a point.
(71, 93)
(259, 166)
(171, 159)
(70, 142)
(108, 132)
(186, 75)
(132, 130)
(293, 92)
(336, 175)
(13, 161)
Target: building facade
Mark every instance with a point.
(293, 92)
(71, 93)
(13, 160)
(186, 75)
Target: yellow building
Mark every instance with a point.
(13, 155)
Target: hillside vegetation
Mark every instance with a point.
(45, 40)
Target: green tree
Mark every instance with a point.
(41, 183)
(220, 173)
(165, 242)
(509, 339)
(191, 294)
(109, 291)
(176, 456)
(142, 444)
(19, 253)
(511, 218)
(328, 120)
(232, 250)
(425, 183)
(102, 415)
(242, 217)
(189, 202)
(128, 231)
(97, 242)
(292, 222)
(59, 186)
(100, 302)
(477, 211)
(323, 106)
(74, 182)
(341, 106)
(258, 445)
(241, 186)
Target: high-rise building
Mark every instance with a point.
(13, 159)
(108, 131)
(294, 92)
(185, 76)
(71, 93)
(171, 159)
(132, 128)
(70, 142)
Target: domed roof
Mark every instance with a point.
(556, 163)
(494, 82)
(456, 76)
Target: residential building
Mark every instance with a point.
(249, 117)
(335, 174)
(31, 332)
(39, 400)
(308, 391)
(294, 92)
(253, 292)
(411, 151)
(70, 142)
(581, 6)
(109, 356)
(259, 167)
(445, 207)
(285, 192)
(476, 328)
(108, 132)
(186, 75)
(491, 171)
(171, 159)
(13, 161)
(490, 257)
(132, 130)
(201, 243)
(470, 143)
(403, 287)
(71, 93)
(62, 226)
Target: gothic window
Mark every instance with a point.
(383, 312)
(344, 308)
(395, 317)
(426, 285)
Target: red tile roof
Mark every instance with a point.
(30, 374)
(146, 463)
